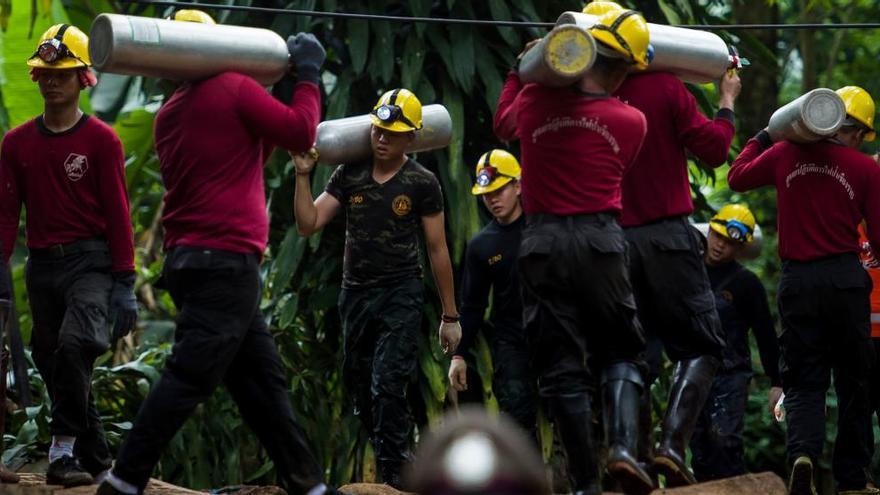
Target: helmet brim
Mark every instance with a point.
(68, 63)
(495, 185)
(396, 126)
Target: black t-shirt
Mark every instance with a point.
(383, 221)
(742, 304)
(490, 264)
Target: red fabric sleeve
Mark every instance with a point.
(114, 199)
(506, 110)
(708, 139)
(753, 168)
(293, 128)
(10, 201)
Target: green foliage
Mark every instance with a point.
(463, 68)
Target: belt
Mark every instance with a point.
(62, 250)
(600, 218)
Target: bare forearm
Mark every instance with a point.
(441, 266)
(304, 210)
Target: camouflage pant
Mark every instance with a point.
(380, 328)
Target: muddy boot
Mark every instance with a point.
(646, 435)
(574, 420)
(621, 389)
(7, 476)
(690, 387)
(801, 480)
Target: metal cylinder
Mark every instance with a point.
(347, 140)
(183, 51)
(751, 250)
(561, 58)
(810, 117)
(694, 56)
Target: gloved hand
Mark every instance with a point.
(458, 373)
(123, 304)
(450, 336)
(307, 55)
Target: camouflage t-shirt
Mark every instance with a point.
(383, 221)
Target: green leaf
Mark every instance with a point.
(412, 61)
(492, 79)
(670, 13)
(358, 44)
(500, 11)
(285, 263)
(462, 58)
(383, 49)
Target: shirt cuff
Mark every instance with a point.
(726, 114)
(763, 138)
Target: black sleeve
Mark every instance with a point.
(336, 186)
(761, 322)
(475, 286)
(430, 200)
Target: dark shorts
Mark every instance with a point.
(672, 290)
(578, 306)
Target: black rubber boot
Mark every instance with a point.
(621, 391)
(574, 420)
(646, 434)
(691, 382)
(390, 472)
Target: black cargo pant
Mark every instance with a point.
(380, 329)
(673, 293)
(513, 382)
(578, 307)
(221, 337)
(825, 311)
(717, 444)
(69, 297)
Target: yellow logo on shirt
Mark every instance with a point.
(401, 205)
(494, 259)
(356, 199)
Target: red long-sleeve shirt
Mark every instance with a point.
(575, 147)
(72, 185)
(212, 139)
(657, 185)
(823, 189)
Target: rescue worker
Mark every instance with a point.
(490, 266)
(216, 229)
(824, 189)
(673, 296)
(68, 169)
(741, 301)
(577, 142)
(387, 199)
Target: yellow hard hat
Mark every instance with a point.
(398, 110)
(734, 222)
(599, 7)
(859, 106)
(494, 170)
(193, 15)
(62, 46)
(626, 33)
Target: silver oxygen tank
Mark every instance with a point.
(182, 51)
(812, 116)
(561, 58)
(692, 55)
(752, 250)
(347, 140)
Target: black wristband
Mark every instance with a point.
(726, 114)
(763, 138)
(449, 319)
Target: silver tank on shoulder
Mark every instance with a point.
(184, 51)
(561, 58)
(347, 140)
(694, 56)
(751, 251)
(813, 116)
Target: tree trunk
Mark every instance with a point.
(761, 79)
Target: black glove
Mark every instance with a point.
(307, 55)
(123, 304)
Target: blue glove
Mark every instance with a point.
(307, 55)
(123, 304)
